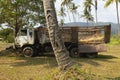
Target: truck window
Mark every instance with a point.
(30, 32)
(23, 32)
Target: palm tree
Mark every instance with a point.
(87, 11)
(62, 14)
(96, 11)
(67, 3)
(108, 2)
(73, 9)
(61, 53)
(61, 22)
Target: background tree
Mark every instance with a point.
(108, 2)
(19, 13)
(66, 4)
(73, 10)
(87, 11)
(62, 14)
(96, 10)
(61, 53)
(7, 35)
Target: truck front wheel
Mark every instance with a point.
(28, 52)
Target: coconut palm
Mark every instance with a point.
(61, 53)
(62, 22)
(73, 9)
(96, 10)
(62, 14)
(67, 3)
(87, 10)
(108, 2)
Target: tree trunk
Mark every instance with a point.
(61, 53)
(68, 13)
(74, 19)
(16, 21)
(96, 11)
(118, 18)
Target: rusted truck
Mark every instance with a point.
(79, 41)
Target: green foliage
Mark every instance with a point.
(69, 6)
(19, 13)
(7, 35)
(109, 2)
(87, 10)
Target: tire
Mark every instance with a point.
(92, 55)
(28, 52)
(48, 48)
(74, 52)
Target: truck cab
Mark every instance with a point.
(24, 37)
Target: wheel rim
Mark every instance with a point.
(28, 52)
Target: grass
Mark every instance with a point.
(38, 68)
(115, 40)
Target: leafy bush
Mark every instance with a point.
(7, 35)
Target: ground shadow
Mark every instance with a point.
(43, 60)
(94, 61)
(47, 61)
(106, 57)
(51, 61)
(116, 78)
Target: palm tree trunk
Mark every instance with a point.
(96, 11)
(118, 18)
(61, 53)
(74, 20)
(68, 13)
(96, 16)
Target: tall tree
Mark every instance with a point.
(108, 2)
(62, 14)
(87, 10)
(73, 9)
(96, 10)
(61, 53)
(19, 13)
(66, 3)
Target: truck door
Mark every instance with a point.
(30, 36)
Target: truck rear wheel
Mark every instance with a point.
(48, 48)
(74, 52)
(28, 52)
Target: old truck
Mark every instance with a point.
(79, 41)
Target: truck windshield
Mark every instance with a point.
(23, 32)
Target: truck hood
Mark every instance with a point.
(21, 40)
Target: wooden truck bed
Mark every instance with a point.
(89, 39)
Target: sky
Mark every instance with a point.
(104, 14)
